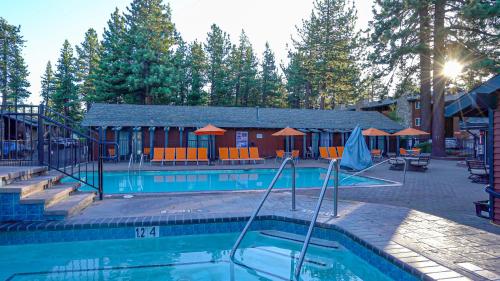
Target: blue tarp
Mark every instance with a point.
(356, 153)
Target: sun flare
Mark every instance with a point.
(452, 69)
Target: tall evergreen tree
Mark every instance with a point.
(197, 63)
(47, 84)
(111, 75)
(296, 82)
(87, 63)
(180, 73)
(217, 49)
(270, 80)
(149, 39)
(65, 99)
(18, 82)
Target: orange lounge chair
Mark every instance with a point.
(403, 152)
(254, 154)
(146, 151)
(223, 154)
(323, 153)
(280, 154)
(233, 154)
(340, 151)
(244, 156)
(180, 155)
(202, 155)
(191, 155)
(169, 155)
(158, 155)
(416, 150)
(333, 153)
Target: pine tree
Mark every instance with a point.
(296, 82)
(18, 82)
(65, 99)
(180, 73)
(111, 75)
(87, 63)
(217, 49)
(270, 80)
(47, 84)
(149, 39)
(250, 92)
(197, 63)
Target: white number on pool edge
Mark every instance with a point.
(147, 232)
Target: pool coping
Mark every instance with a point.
(401, 256)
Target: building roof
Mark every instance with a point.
(130, 115)
(476, 102)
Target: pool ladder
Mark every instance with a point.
(332, 167)
(131, 163)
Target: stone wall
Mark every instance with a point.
(403, 112)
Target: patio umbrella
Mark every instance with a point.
(288, 132)
(210, 130)
(372, 132)
(410, 132)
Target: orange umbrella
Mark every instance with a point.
(372, 132)
(410, 132)
(288, 132)
(210, 130)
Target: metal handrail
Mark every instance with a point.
(130, 161)
(264, 198)
(333, 163)
(141, 162)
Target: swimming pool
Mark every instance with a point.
(220, 180)
(193, 257)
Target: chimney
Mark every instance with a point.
(257, 112)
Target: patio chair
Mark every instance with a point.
(146, 151)
(340, 151)
(333, 153)
(376, 154)
(416, 151)
(295, 155)
(310, 153)
(202, 155)
(323, 153)
(223, 154)
(403, 152)
(169, 155)
(158, 154)
(280, 154)
(396, 163)
(191, 155)
(421, 163)
(479, 173)
(112, 154)
(180, 155)
(233, 154)
(244, 156)
(254, 155)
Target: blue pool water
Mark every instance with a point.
(188, 257)
(218, 180)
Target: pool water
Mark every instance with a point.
(184, 258)
(219, 180)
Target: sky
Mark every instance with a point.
(46, 24)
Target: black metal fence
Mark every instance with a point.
(37, 135)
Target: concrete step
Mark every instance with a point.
(8, 174)
(75, 203)
(52, 195)
(32, 185)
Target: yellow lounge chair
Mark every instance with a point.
(333, 153)
(191, 155)
(295, 155)
(223, 154)
(233, 154)
(254, 154)
(244, 156)
(180, 155)
(203, 155)
(169, 155)
(340, 151)
(158, 154)
(323, 153)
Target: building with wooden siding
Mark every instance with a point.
(136, 127)
(484, 101)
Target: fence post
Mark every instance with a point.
(41, 135)
(100, 150)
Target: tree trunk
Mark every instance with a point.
(425, 67)
(438, 122)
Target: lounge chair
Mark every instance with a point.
(223, 154)
(295, 155)
(158, 154)
(479, 173)
(233, 154)
(340, 151)
(244, 156)
(180, 155)
(169, 155)
(254, 155)
(280, 154)
(421, 163)
(323, 153)
(333, 153)
(146, 151)
(376, 154)
(202, 156)
(403, 152)
(191, 155)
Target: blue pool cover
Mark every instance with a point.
(356, 154)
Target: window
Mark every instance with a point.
(417, 122)
(417, 105)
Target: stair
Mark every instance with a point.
(35, 194)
